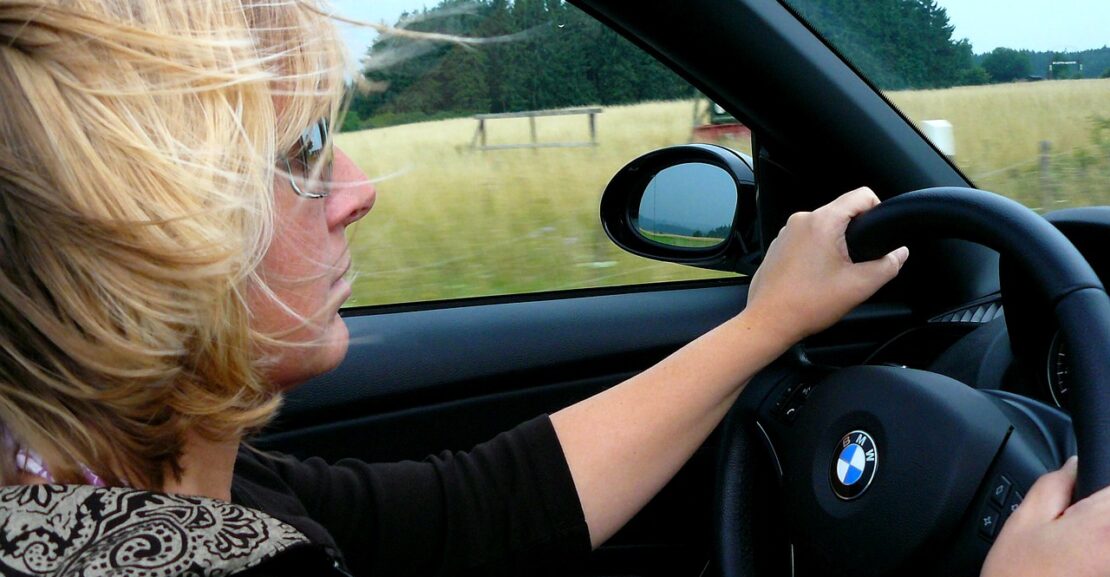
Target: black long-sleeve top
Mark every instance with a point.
(507, 507)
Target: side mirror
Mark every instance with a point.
(692, 204)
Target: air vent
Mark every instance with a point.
(975, 315)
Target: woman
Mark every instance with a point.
(173, 253)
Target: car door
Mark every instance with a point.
(430, 371)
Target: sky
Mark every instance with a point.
(358, 39)
(695, 195)
(1061, 25)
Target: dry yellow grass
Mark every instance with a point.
(454, 222)
(999, 128)
(1001, 124)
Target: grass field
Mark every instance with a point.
(999, 130)
(681, 240)
(454, 222)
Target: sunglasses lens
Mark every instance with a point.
(310, 156)
(312, 140)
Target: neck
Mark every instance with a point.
(207, 468)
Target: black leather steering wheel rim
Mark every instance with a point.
(1062, 275)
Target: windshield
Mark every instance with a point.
(1017, 94)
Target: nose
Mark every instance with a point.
(352, 195)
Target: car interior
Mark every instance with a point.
(965, 373)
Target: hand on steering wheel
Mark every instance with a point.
(1050, 537)
(783, 288)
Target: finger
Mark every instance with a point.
(1050, 495)
(1097, 504)
(880, 271)
(856, 202)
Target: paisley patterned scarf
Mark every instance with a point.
(87, 531)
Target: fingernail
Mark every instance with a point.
(901, 253)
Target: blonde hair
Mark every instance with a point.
(137, 151)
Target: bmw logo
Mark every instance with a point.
(854, 465)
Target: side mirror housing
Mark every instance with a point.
(691, 204)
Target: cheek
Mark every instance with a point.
(298, 250)
(297, 275)
(300, 237)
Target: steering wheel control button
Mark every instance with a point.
(988, 522)
(854, 465)
(1000, 489)
(787, 407)
(1011, 505)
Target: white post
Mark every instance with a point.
(939, 132)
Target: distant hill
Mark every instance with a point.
(663, 227)
(646, 223)
(1095, 61)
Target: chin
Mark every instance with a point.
(303, 364)
(335, 347)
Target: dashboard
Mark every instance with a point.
(1040, 353)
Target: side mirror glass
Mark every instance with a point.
(689, 205)
(692, 204)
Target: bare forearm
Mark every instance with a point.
(624, 444)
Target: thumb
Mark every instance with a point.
(1050, 495)
(882, 270)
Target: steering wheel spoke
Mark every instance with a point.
(880, 461)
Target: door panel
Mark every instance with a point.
(402, 357)
(419, 380)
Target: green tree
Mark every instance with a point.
(974, 76)
(1006, 65)
(897, 44)
(496, 21)
(561, 57)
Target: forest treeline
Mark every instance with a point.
(1095, 63)
(546, 54)
(554, 56)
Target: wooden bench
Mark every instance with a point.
(479, 140)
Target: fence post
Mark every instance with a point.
(940, 133)
(1046, 178)
(532, 123)
(593, 128)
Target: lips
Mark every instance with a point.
(343, 272)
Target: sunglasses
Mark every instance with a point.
(311, 162)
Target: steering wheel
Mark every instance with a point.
(878, 470)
